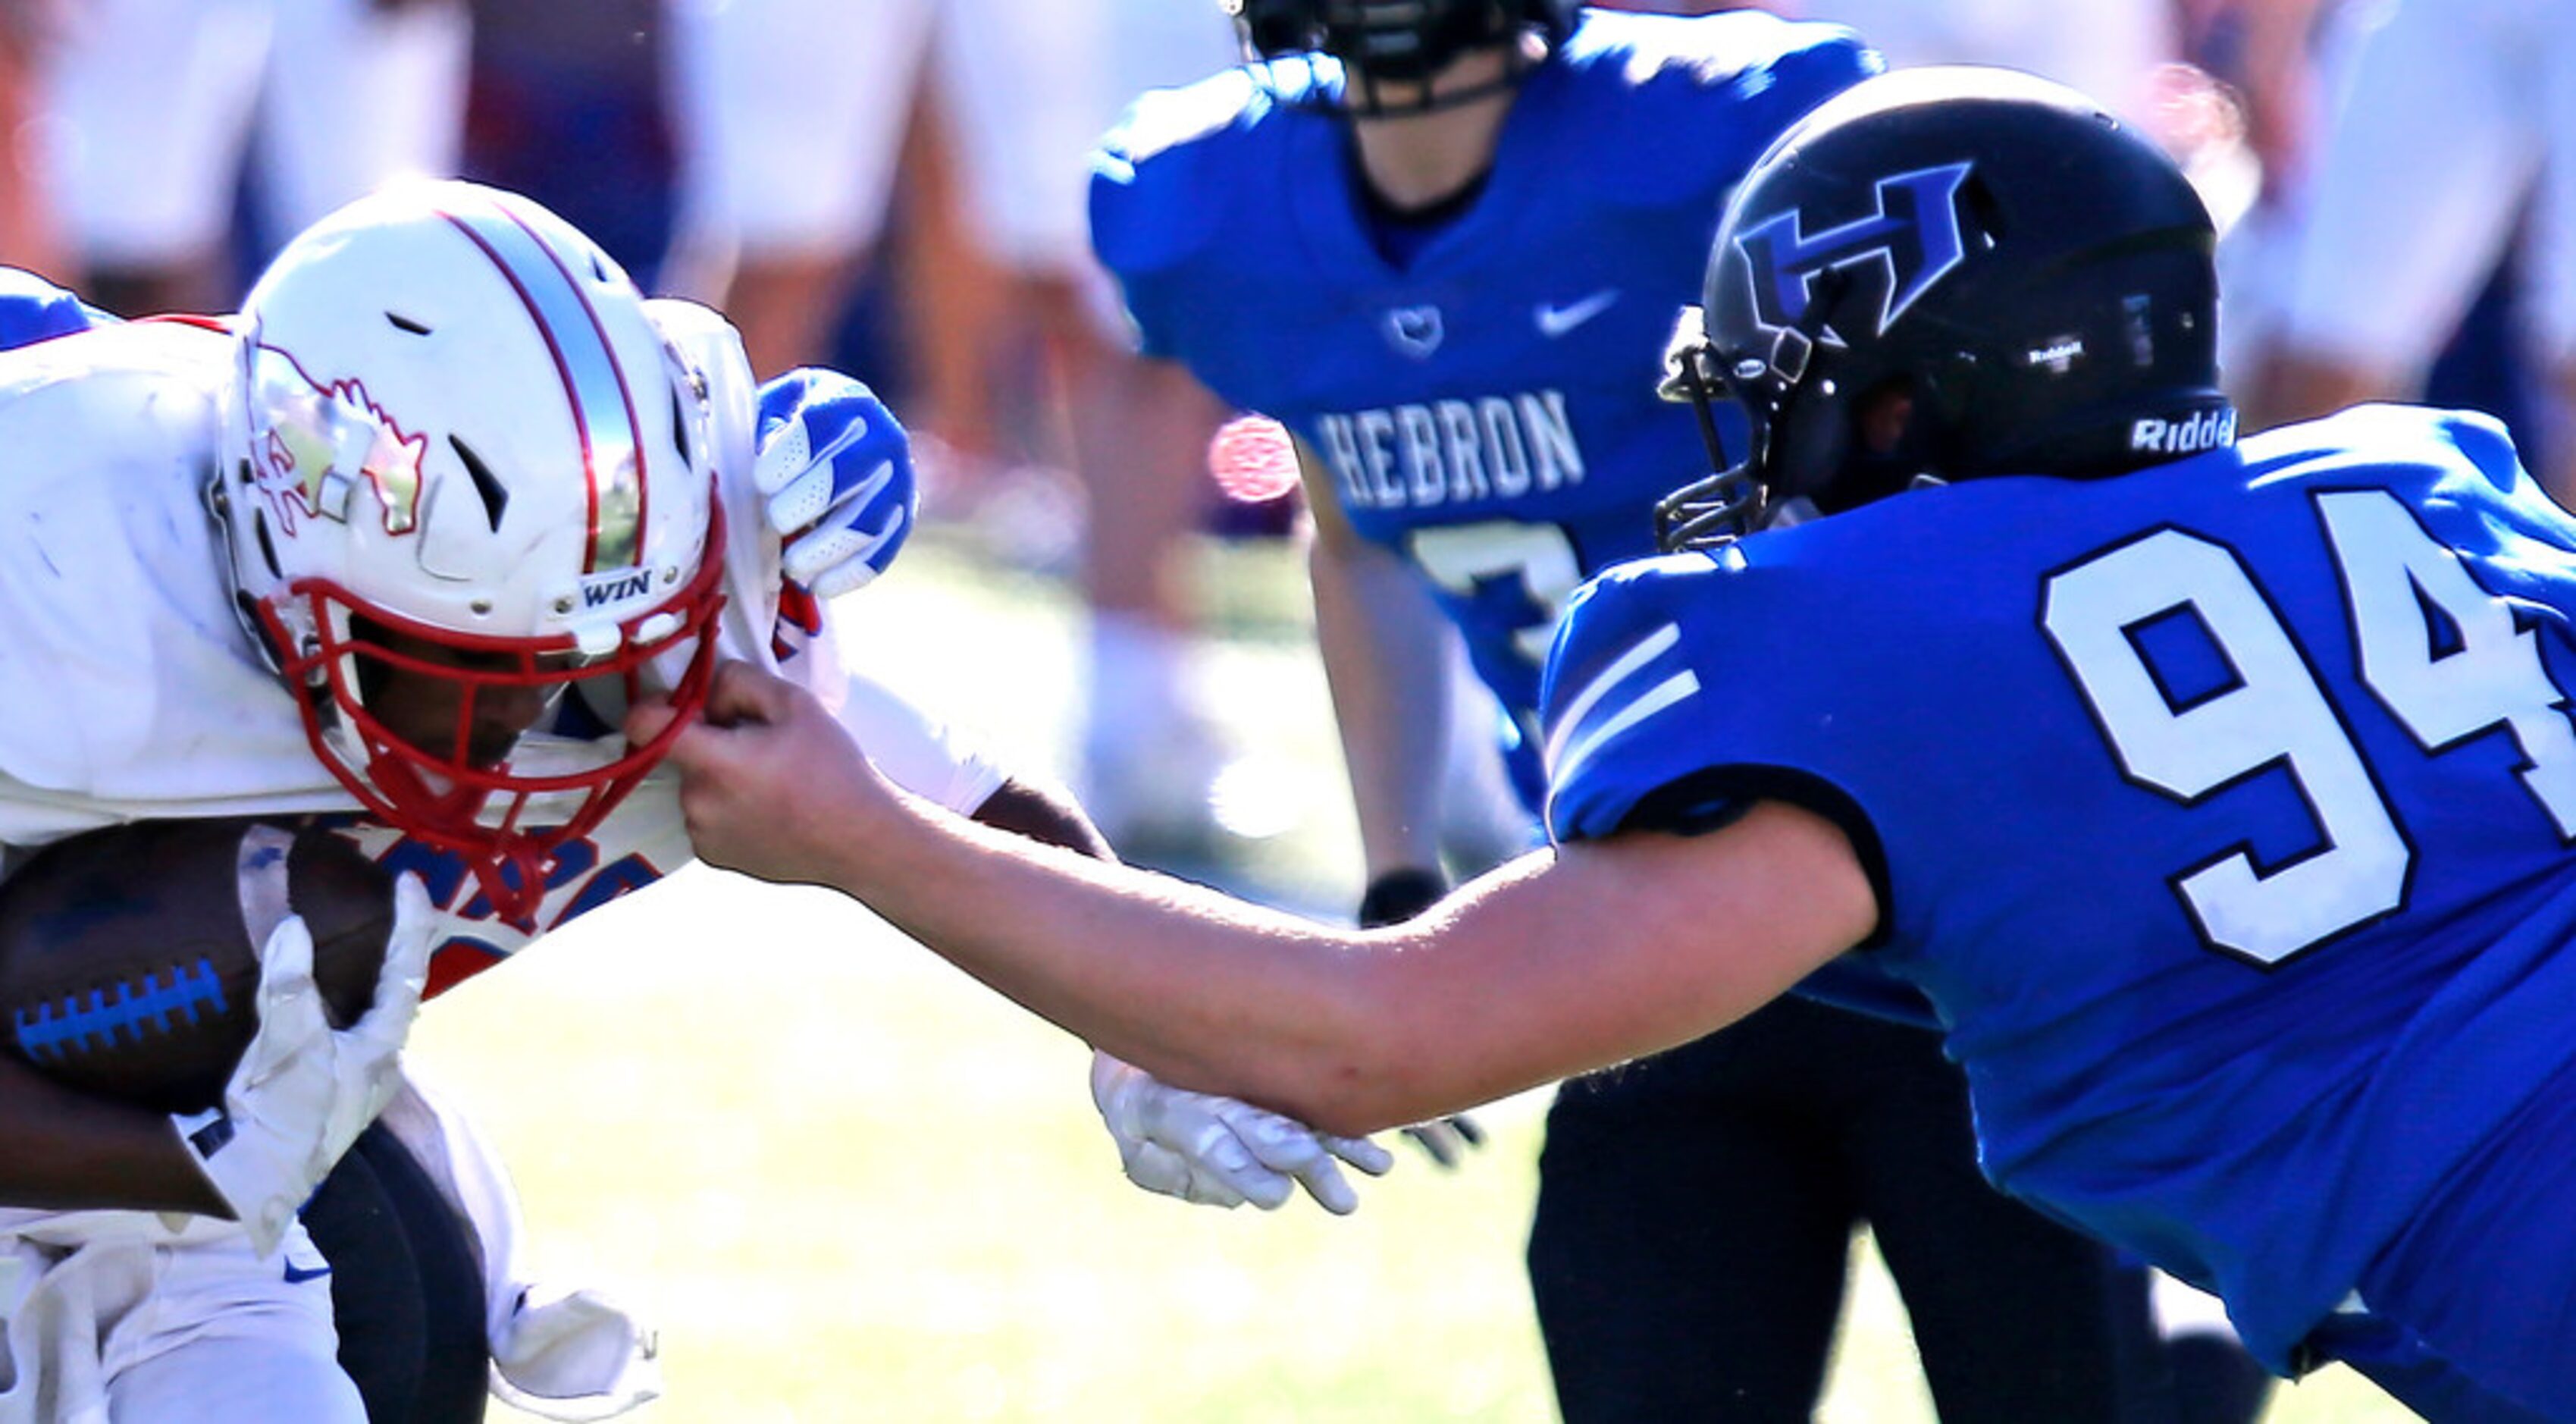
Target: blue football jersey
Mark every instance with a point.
(1487, 410)
(2221, 810)
(33, 309)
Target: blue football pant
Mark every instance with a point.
(1695, 1216)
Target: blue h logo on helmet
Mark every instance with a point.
(1915, 233)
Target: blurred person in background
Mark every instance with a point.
(568, 106)
(2446, 130)
(1019, 367)
(151, 107)
(30, 232)
(2109, 49)
(1442, 244)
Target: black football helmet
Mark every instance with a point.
(1398, 41)
(1943, 273)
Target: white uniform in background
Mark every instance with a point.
(789, 114)
(133, 693)
(2109, 49)
(150, 107)
(2449, 121)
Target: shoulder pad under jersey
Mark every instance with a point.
(1665, 109)
(1164, 181)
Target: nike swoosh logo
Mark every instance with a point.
(297, 1277)
(1555, 321)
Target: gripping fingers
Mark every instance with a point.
(1447, 1140)
(1290, 1148)
(1205, 1136)
(1160, 1135)
(834, 560)
(387, 1021)
(290, 1007)
(806, 500)
(286, 964)
(1361, 1152)
(800, 500)
(1162, 1171)
(1323, 1180)
(832, 462)
(787, 448)
(820, 495)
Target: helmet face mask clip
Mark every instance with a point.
(1734, 501)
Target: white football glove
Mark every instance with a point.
(303, 1090)
(577, 1357)
(1221, 1152)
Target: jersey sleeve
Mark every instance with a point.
(1734, 81)
(1684, 688)
(1161, 184)
(918, 750)
(1638, 738)
(1619, 700)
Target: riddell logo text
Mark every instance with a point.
(2206, 431)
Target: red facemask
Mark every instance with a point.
(425, 725)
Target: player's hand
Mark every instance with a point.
(303, 1090)
(1447, 1140)
(835, 472)
(1221, 1152)
(1391, 899)
(1399, 895)
(770, 784)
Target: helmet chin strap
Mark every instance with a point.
(1362, 92)
(1360, 88)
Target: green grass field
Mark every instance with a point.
(849, 1184)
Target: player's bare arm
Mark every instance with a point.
(71, 1150)
(1387, 663)
(1548, 967)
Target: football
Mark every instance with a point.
(129, 956)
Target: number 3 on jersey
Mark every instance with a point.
(2481, 672)
(1458, 557)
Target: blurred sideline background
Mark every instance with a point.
(846, 1182)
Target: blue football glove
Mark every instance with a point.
(836, 470)
(33, 309)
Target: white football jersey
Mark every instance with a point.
(129, 691)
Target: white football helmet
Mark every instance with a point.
(461, 471)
